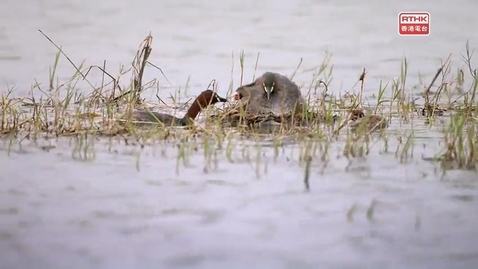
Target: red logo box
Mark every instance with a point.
(414, 23)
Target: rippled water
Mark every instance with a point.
(133, 208)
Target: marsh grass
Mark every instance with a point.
(65, 111)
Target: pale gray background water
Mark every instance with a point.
(56, 212)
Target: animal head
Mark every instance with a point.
(242, 93)
(239, 94)
(268, 83)
(356, 114)
(209, 97)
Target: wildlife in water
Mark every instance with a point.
(369, 122)
(203, 100)
(271, 93)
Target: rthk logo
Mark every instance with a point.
(414, 23)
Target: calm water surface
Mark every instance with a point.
(132, 208)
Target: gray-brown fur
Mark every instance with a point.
(272, 93)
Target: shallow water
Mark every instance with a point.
(120, 212)
(127, 207)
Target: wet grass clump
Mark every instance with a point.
(352, 120)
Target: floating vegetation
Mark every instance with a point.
(63, 111)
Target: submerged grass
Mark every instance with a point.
(64, 111)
